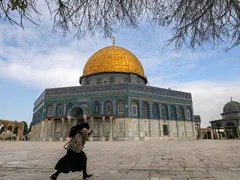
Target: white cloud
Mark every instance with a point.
(40, 59)
(57, 67)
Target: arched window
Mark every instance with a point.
(99, 81)
(108, 108)
(69, 107)
(50, 110)
(120, 108)
(60, 110)
(188, 113)
(181, 113)
(218, 125)
(164, 111)
(10, 128)
(155, 111)
(145, 109)
(134, 108)
(15, 130)
(96, 108)
(230, 124)
(173, 112)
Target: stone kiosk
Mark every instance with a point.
(117, 103)
(229, 126)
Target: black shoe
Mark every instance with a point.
(86, 176)
(53, 177)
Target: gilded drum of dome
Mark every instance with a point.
(113, 59)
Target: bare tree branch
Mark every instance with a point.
(193, 23)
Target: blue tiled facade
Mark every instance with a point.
(88, 96)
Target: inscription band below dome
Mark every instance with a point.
(113, 59)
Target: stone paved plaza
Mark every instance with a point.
(150, 160)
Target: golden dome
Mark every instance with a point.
(113, 59)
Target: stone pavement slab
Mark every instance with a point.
(126, 160)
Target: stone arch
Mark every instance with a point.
(9, 128)
(77, 111)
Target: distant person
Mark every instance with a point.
(75, 159)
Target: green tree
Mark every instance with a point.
(193, 22)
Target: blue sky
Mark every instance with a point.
(34, 59)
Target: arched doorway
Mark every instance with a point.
(209, 135)
(15, 131)
(10, 128)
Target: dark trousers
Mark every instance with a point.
(72, 161)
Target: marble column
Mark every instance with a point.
(217, 130)
(46, 129)
(50, 133)
(177, 121)
(214, 134)
(111, 129)
(103, 128)
(238, 133)
(159, 120)
(69, 125)
(169, 119)
(62, 138)
(13, 128)
(6, 128)
(225, 133)
(193, 127)
(53, 129)
(185, 128)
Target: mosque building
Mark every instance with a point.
(229, 126)
(115, 100)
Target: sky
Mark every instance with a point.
(34, 58)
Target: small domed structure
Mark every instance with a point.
(231, 107)
(228, 126)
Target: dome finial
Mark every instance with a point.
(113, 40)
